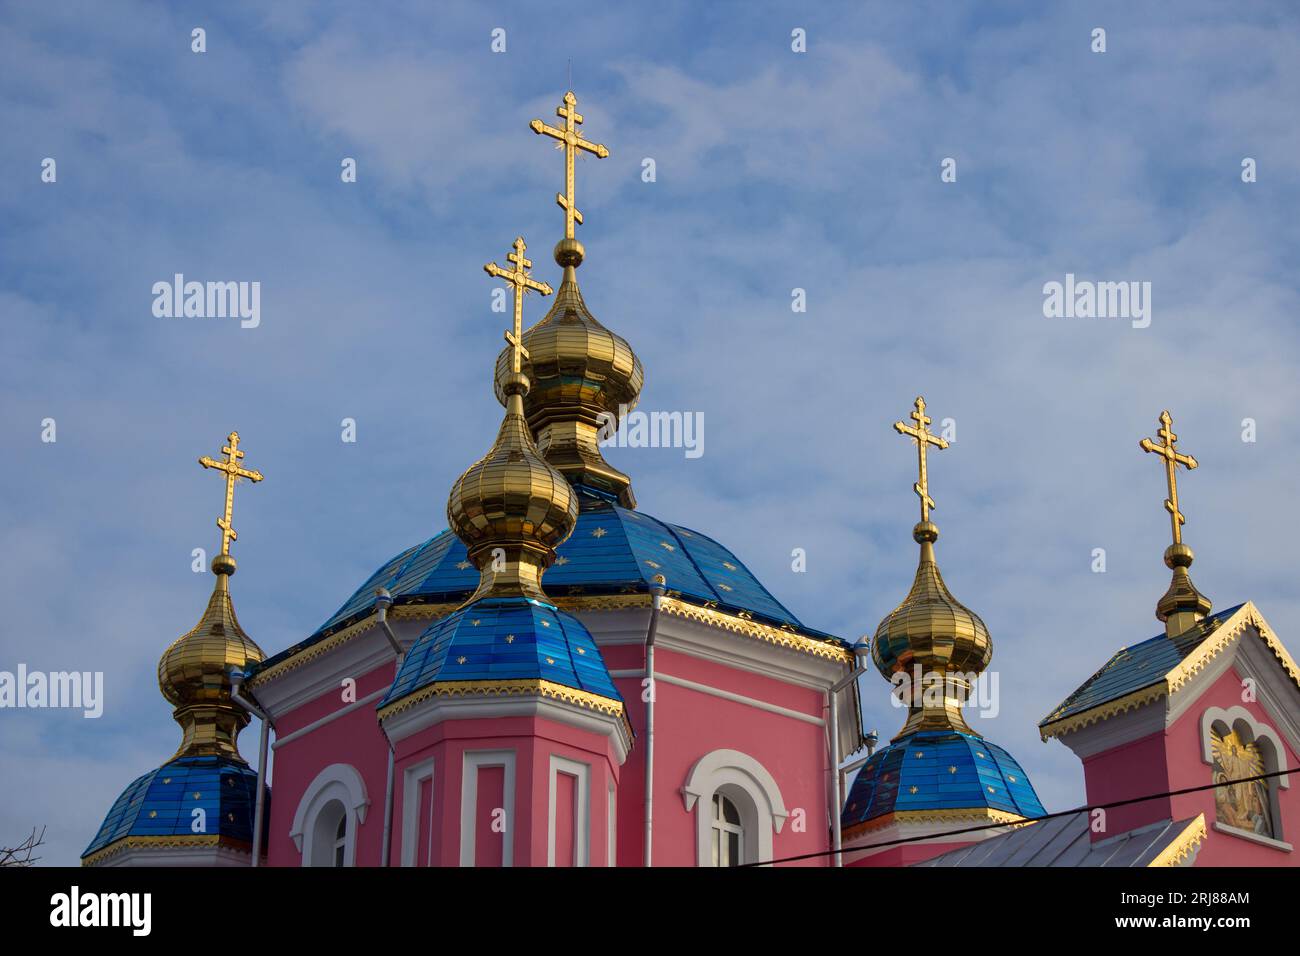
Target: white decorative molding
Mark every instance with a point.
(370, 699)
(748, 784)
(581, 809)
(739, 699)
(413, 778)
(1258, 731)
(435, 710)
(338, 782)
(1254, 837)
(474, 761)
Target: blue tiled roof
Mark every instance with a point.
(1132, 668)
(613, 550)
(948, 771)
(161, 803)
(504, 639)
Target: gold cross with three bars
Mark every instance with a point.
(1173, 459)
(571, 141)
(923, 438)
(230, 467)
(522, 282)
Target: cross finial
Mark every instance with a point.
(233, 472)
(920, 433)
(1166, 450)
(571, 141)
(522, 282)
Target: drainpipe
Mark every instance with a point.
(244, 699)
(383, 601)
(861, 652)
(656, 601)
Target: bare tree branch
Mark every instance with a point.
(21, 855)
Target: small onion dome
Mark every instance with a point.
(194, 673)
(581, 374)
(511, 499)
(1182, 605)
(931, 628)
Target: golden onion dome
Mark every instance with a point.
(194, 673)
(581, 374)
(511, 507)
(932, 647)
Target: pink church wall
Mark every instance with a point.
(532, 741)
(1173, 760)
(690, 724)
(354, 739)
(1188, 769)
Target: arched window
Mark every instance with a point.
(737, 807)
(329, 815)
(728, 833)
(1237, 747)
(341, 840)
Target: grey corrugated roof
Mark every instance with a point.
(1064, 841)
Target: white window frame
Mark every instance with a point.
(1236, 719)
(413, 778)
(475, 760)
(338, 782)
(749, 785)
(611, 825)
(581, 809)
(720, 825)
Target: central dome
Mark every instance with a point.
(612, 551)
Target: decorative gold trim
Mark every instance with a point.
(1214, 644)
(1136, 699)
(1222, 638)
(402, 612)
(763, 632)
(165, 842)
(1183, 845)
(508, 688)
(603, 602)
(961, 815)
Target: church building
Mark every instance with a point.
(560, 679)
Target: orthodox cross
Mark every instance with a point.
(1173, 459)
(230, 467)
(923, 438)
(571, 141)
(522, 282)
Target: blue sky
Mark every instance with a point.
(775, 170)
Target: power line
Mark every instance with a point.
(998, 826)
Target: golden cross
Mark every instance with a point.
(233, 473)
(571, 141)
(1172, 459)
(522, 282)
(921, 435)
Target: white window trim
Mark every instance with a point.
(338, 781)
(1230, 718)
(581, 809)
(412, 781)
(732, 768)
(474, 761)
(611, 824)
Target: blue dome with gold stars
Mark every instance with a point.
(496, 641)
(613, 550)
(939, 770)
(160, 804)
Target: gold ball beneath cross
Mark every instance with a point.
(569, 252)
